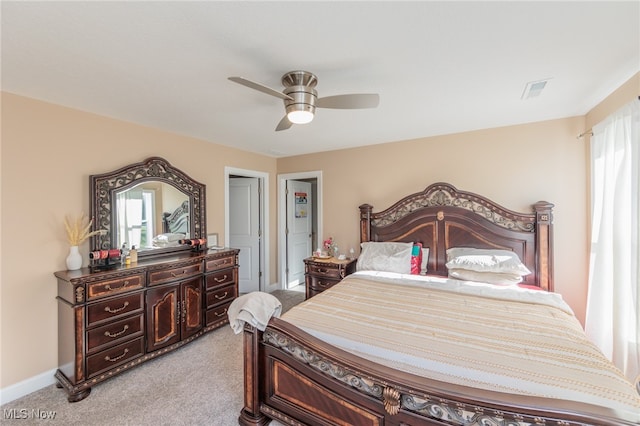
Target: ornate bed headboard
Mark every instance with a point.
(178, 220)
(441, 217)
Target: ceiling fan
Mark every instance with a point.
(301, 99)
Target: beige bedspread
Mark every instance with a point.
(504, 339)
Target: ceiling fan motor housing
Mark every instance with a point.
(304, 99)
(299, 78)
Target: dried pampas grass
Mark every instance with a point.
(78, 229)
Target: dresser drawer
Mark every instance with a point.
(220, 263)
(320, 284)
(221, 278)
(177, 273)
(222, 295)
(113, 357)
(114, 308)
(114, 286)
(325, 271)
(115, 332)
(218, 314)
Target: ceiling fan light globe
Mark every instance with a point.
(300, 117)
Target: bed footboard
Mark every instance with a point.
(250, 414)
(299, 380)
(286, 381)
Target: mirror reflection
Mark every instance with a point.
(150, 205)
(150, 215)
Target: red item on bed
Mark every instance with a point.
(416, 258)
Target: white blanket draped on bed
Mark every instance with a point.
(255, 308)
(498, 338)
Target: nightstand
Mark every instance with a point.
(321, 274)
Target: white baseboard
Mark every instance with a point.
(273, 286)
(25, 387)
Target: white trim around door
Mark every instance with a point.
(282, 217)
(264, 215)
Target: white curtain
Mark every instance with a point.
(129, 218)
(613, 302)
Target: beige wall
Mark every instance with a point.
(48, 153)
(514, 166)
(624, 94)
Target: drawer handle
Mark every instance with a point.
(115, 311)
(119, 333)
(221, 297)
(322, 284)
(323, 271)
(108, 358)
(220, 280)
(124, 283)
(184, 271)
(221, 313)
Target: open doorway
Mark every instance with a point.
(299, 223)
(246, 225)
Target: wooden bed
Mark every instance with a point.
(178, 220)
(298, 379)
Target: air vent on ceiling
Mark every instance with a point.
(534, 88)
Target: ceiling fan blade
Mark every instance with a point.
(284, 124)
(352, 101)
(260, 87)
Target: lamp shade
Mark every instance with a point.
(300, 116)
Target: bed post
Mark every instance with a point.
(365, 222)
(250, 414)
(544, 244)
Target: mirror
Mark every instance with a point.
(151, 205)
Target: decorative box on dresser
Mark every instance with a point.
(112, 320)
(321, 274)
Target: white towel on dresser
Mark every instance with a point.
(255, 308)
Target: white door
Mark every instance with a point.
(299, 230)
(244, 230)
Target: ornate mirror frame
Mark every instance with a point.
(103, 188)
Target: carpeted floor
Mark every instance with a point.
(199, 384)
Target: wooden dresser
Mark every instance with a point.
(113, 320)
(321, 274)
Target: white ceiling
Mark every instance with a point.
(439, 67)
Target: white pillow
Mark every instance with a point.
(485, 277)
(166, 240)
(485, 260)
(169, 237)
(425, 260)
(386, 257)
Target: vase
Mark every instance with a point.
(74, 259)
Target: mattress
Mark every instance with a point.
(500, 338)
